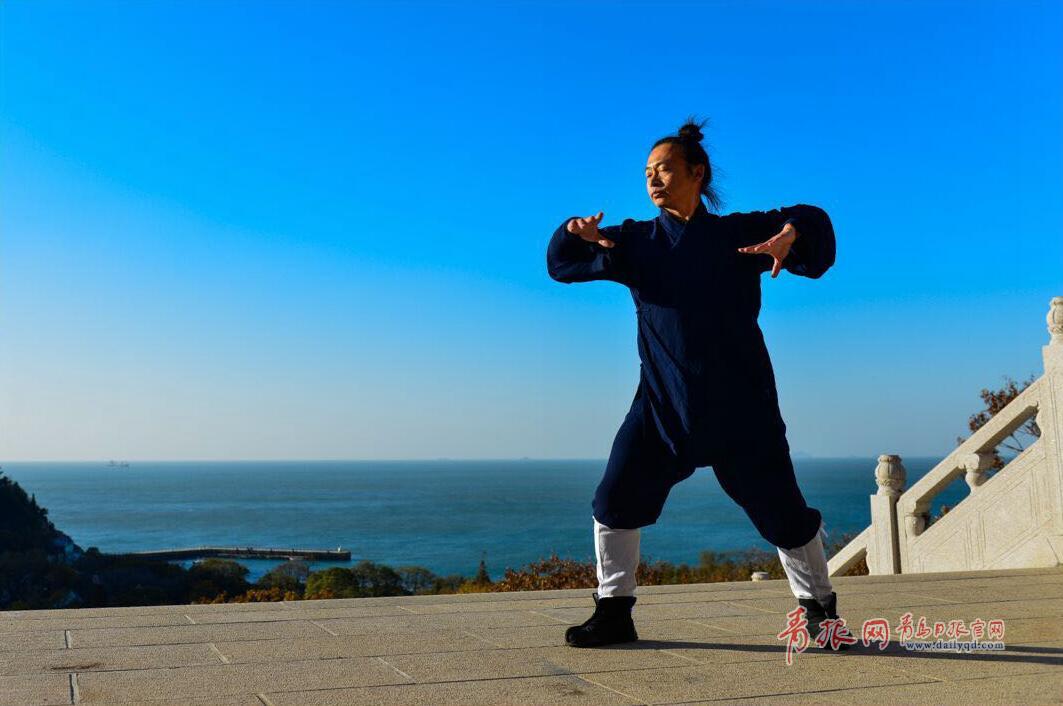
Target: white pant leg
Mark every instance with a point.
(806, 568)
(617, 553)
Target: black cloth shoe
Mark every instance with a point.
(611, 623)
(815, 613)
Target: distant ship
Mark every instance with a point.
(118, 464)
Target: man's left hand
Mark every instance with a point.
(778, 246)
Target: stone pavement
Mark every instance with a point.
(699, 643)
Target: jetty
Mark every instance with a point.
(246, 552)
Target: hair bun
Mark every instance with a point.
(691, 131)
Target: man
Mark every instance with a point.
(706, 393)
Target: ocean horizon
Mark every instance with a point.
(441, 514)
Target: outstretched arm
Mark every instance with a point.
(807, 249)
(570, 258)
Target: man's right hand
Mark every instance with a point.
(587, 228)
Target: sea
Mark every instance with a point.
(443, 515)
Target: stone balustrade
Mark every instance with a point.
(1013, 519)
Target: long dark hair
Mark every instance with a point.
(689, 139)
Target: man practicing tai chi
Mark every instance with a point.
(706, 393)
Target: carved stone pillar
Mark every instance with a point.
(1053, 352)
(890, 475)
(1055, 320)
(1050, 416)
(883, 546)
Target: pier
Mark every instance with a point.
(246, 552)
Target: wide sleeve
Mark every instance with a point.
(570, 258)
(811, 254)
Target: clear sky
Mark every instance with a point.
(318, 230)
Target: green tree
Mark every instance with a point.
(24, 525)
(447, 584)
(214, 576)
(364, 579)
(333, 582)
(288, 576)
(417, 579)
(125, 580)
(482, 578)
(377, 579)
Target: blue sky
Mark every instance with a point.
(318, 230)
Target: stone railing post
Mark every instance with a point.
(883, 546)
(1050, 416)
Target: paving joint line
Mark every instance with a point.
(609, 688)
(222, 657)
(739, 605)
(714, 627)
(412, 680)
(676, 654)
(314, 622)
(472, 634)
(545, 615)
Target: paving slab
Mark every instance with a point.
(528, 662)
(121, 611)
(749, 679)
(418, 623)
(122, 637)
(86, 659)
(234, 679)
(27, 640)
(567, 690)
(334, 646)
(1027, 689)
(275, 614)
(69, 622)
(36, 689)
(1015, 659)
(217, 700)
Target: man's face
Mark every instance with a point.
(669, 180)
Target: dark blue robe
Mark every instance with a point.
(706, 378)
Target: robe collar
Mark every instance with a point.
(675, 227)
